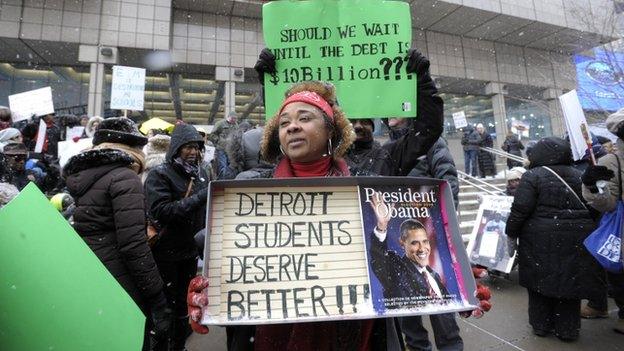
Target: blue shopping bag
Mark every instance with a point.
(605, 242)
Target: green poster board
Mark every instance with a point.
(359, 45)
(55, 293)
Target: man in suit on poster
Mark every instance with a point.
(408, 279)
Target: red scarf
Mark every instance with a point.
(313, 336)
(324, 167)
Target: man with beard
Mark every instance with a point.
(176, 201)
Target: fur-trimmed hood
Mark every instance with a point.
(90, 128)
(84, 169)
(155, 150)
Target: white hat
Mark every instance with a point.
(515, 173)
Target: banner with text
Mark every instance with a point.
(127, 88)
(313, 249)
(358, 45)
(489, 246)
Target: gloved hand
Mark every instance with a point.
(595, 173)
(265, 64)
(195, 300)
(483, 294)
(161, 316)
(417, 63)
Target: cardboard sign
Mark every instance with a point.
(489, 246)
(574, 117)
(36, 102)
(459, 119)
(358, 45)
(291, 250)
(128, 88)
(55, 293)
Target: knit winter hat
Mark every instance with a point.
(515, 173)
(615, 120)
(120, 130)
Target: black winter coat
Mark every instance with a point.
(398, 156)
(551, 225)
(110, 218)
(487, 160)
(438, 163)
(179, 218)
(514, 146)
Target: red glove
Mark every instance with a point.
(483, 294)
(195, 300)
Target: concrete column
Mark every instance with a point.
(229, 97)
(97, 79)
(551, 97)
(498, 92)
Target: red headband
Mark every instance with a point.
(309, 97)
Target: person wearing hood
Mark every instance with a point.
(551, 221)
(514, 146)
(109, 215)
(10, 135)
(243, 154)
(607, 170)
(176, 201)
(470, 143)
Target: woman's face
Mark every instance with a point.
(302, 132)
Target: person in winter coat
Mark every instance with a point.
(110, 216)
(176, 202)
(438, 163)
(551, 223)
(514, 146)
(243, 154)
(51, 139)
(487, 166)
(470, 142)
(607, 171)
(366, 156)
(222, 130)
(14, 171)
(155, 152)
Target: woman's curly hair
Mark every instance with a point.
(343, 134)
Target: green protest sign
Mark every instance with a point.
(55, 293)
(358, 45)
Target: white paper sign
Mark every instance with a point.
(41, 135)
(128, 88)
(574, 117)
(36, 102)
(459, 118)
(68, 149)
(71, 133)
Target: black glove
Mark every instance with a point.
(161, 316)
(595, 173)
(265, 64)
(417, 63)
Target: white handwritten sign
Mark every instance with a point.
(128, 88)
(293, 250)
(36, 102)
(459, 119)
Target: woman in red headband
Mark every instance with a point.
(309, 135)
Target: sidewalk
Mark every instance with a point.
(504, 328)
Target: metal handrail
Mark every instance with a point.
(503, 154)
(470, 180)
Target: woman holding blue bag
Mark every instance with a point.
(602, 188)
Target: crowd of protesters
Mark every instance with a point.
(138, 202)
